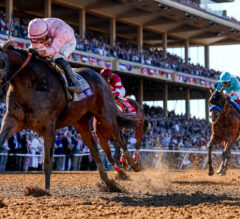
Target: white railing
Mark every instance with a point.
(159, 152)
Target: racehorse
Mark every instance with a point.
(104, 137)
(225, 128)
(36, 99)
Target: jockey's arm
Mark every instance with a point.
(219, 86)
(55, 46)
(236, 90)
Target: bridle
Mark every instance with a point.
(21, 67)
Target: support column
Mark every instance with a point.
(164, 44)
(140, 38)
(206, 58)
(82, 22)
(206, 110)
(112, 31)
(9, 10)
(48, 8)
(165, 110)
(186, 51)
(140, 92)
(187, 104)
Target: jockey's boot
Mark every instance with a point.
(74, 85)
(119, 100)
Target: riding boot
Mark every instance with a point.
(119, 100)
(74, 85)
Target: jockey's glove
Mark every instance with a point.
(33, 51)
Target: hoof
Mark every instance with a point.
(120, 175)
(136, 168)
(221, 172)
(211, 172)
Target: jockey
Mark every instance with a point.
(53, 37)
(231, 86)
(115, 82)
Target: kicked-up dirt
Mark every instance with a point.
(148, 194)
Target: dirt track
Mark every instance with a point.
(150, 194)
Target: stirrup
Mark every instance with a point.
(75, 89)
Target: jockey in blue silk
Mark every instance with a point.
(231, 86)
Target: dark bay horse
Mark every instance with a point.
(140, 129)
(225, 128)
(36, 100)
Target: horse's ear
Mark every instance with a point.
(221, 91)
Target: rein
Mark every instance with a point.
(21, 67)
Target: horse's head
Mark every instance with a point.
(217, 101)
(4, 61)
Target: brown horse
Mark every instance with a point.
(104, 137)
(225, 128)
(36, 100)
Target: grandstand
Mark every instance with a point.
(149, 28)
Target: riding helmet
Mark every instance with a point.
(225, 77)
(106, 72)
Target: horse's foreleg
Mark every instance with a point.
(9, 126)
(210, 168)
(130, 160)
(105, 146)
(49, 139)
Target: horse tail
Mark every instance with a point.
(146, 124)
(124, 120)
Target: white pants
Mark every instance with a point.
(66, 50)
(122, 92)
(230, 93)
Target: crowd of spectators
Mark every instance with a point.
(174, 132)
(123, 49)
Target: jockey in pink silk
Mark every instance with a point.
(115, 82)
(53, 37)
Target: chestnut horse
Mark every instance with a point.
(36, 99)
(104, 137)
(225, 128)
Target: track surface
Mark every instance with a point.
(150, 194)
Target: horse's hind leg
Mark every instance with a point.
(83, 127)
(210, 168)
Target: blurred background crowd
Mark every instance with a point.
(95, 42)
(174, 132)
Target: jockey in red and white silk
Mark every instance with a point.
(115, 82)
(117, 86)
(53, 37)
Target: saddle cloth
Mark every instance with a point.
(87, 90)
(128, 104)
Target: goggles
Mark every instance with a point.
(40, 40)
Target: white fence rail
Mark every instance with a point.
(158, 155)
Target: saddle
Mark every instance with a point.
(87, 91)
(128, 104)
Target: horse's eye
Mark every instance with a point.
(2, 64)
